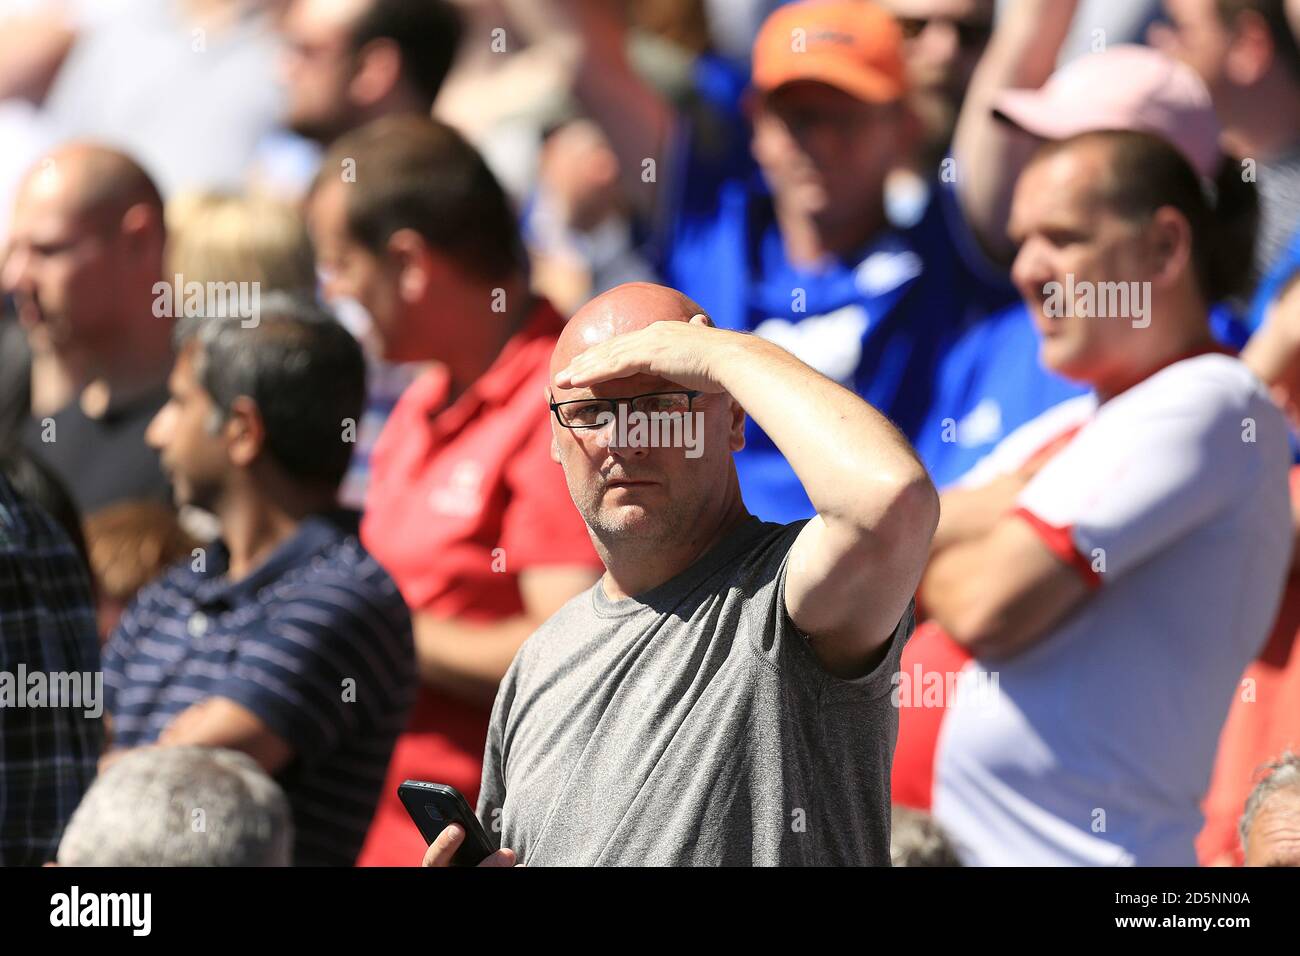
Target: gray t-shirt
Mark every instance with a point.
(691, 725)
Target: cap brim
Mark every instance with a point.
(1037, 115)
(864, 85)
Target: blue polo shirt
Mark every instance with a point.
(316, 642)
(877, 321)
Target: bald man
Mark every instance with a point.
(722, 695)
(86, 248)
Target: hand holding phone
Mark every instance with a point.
(450, 827)
(445, 848)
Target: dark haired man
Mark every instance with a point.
(286, 640)
(465, 508)
(1247, 53)
(353, 61)
(1131, 534)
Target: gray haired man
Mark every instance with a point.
(1270, 825)
(181, 806)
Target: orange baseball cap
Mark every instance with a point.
(851, 45)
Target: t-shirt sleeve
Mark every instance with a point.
(321, 667)
(787, 649)
(1134, 482)
(541, 525)
(492, 788)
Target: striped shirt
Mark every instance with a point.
(316, 642)
(48, 748)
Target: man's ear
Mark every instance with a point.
(737, 431)
(379, 70)
(1170, 237)
(141, 228)
(1251, 50)
(244, 432)
(414, 263)
(555, 434)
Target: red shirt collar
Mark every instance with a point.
(500, 381)
(1213, 348)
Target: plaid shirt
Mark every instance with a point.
(48, 753)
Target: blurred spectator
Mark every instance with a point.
(47, 625)
(1249, 57)
(285, 640)
(229, 238)
(581, 235)
(346, 63)
(246, 245)
(1135, 533)
(942, 42)
(1270, 825)
(804, 257)
(991, 381)
(130, 543)
(916, 840)
(181, 806)
(1287, 263)
(85, 255)
(466, 509)
(1265, 715)
(1018, 98)
(255, 239)
(353, 61)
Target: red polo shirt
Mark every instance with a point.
(462, 498)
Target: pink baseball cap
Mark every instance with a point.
(1125, 87)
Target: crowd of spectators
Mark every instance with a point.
(989, 315)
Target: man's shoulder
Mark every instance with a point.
(1213, 386)
(341, 573)
(570, 625)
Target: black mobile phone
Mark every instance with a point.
(434, 805)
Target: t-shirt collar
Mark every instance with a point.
(737, 540)
(500, 382)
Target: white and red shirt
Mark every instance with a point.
(1171, 501)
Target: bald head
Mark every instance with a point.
(625, 308)
(91, 181)
(85, 251)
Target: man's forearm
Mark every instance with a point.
(637, 120)
(468, 660)
(838, 445)
(969, 513)
(1021, 55)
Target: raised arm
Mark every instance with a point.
(637, 120)
(855, 566)
(989, 155)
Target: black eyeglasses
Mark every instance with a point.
(590, 412)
